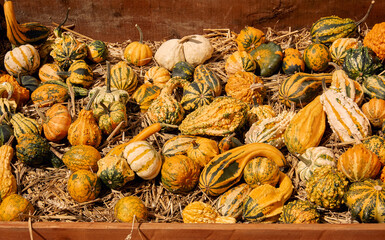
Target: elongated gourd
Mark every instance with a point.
(226, 169)
(7, 179)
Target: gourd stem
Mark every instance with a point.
(105, 108)
(89, 104)
(195, 144)
(108, 84)
(169, 125)
(10, 140)
(140, 33)
(323, 85)
(302, 159)
(184, 39)
(334, 65)
(255, 103)
(57, 30)
(367, 14)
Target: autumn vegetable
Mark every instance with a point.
(138, 53)
(157, 76)
(317, 57)
(19, 94)
(339, 47)
(239, 61)
(230, 203)
(200, 212)
(261, 170)
(97, 51)
(79, 74)
(374, 86)
(249, 38)
(246, 86)
(299, 211)
(183, 70)
(376, 144)
(374, 39)
(204, 74)
(259, 112)
(202, 150)
(177, 145)
(32, 149)
(228, 142)
(196, 94)
(292, 61)
(83, 186)
(268, 57)
(123, 77)
(145, 95)
(81, 157)
(7, 179)
(114, 171)
(130, 209)
(56, 122)
(24, 59)
(15, 208)
(374, 110)
(22, 125)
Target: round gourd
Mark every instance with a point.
(317, 57)
(339, 47)
(268, 58)
(84, 186)
(145, 95)
(180, 174)
(110, 116)
(197, 49)
(82, 157)
(183, 70)
(143, 159)
(376, 144)
(24, 60)
(204, 74)
(196, 94)
(79, 74)
(366, 201)
(123, 77)
(22, 124)
(239, 61)
(374, 39)
(246, 86)
(15, 208)
(114, 171)
(259, 112)
(259, 171)
(230, 202)
(202, 150)
(170, 52)
(292, 62)
(249, 38)
(374, 86)
(32, 149)
(374, 110)
(157, 76)
(48, 72)
(299, 211)
(228, 142)
(177, 145)
(130, 209)
(56, 122)
(138, 53)
(97, 51)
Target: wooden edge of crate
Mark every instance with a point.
(103, 231)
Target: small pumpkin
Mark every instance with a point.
(239, 61)
(196, 94)
(114, 171)
(15, 208)
(317, 57)
(97, 51)
(138, 53)
(82, 157)
(130, 209)
(145, 95)
(292, 62)
(202, 150)
(339, 47)
(110, 116)
(183, 70)
(32, 149)
(79, 74)
(246, 86)
(56, 122)
(84, 186)
(123, 77)
(299, 211)
(24, 60)
(249, 38)
(157, 76)
(48, 72)
(261, 170)
(374, 110)
(200, 212)
(268, 57)
(180, 174)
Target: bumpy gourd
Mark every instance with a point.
(81, 157)
(246, 86)
(7, 179)
(110, 116)
(376, 144)
(261, 170)
(259, 112)
(130, 209)
(32, 149)
(299, 211)
(374, 39)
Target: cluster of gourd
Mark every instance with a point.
(207, 152)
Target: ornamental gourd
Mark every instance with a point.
(15, 208)
(200, 212)
(183, 70)
(317, 57)
(79, 74)
(206, 75)
(123, 77)
(177, 145)
(157, 76)
(22, 124)
(246, 86)
(20, 94)
(374, 39)
(202, 150)
(268, 57)
(84, 186)
(7, 179)
(306, 128)
(130, 209)
(114, 172)
(230, 203)
(143, 159)
(249, 38)
(239, 61)
(261, 170)
(23, 60)
(376, 144)
(259, 112)
(196, 94)
(145, 95)
(56, 122)
(138, 53)
(32, 149)
(359, 163)
(374, 110)
(110, 116)
(180, 174)
(221, 117)
(82, 157)
(300, 211)
(339, 47)
(228, 142)
(97, 51)
(374, 86)
(292, 62)
(28, 82)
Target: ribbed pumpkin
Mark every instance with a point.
(84, 186)
(339, 47)
(145, 95)
(177, 145)
(15, 208)
(268, 58)
(68, 49)
(376, 144)
(157, 76)
(56, 122)
(138, 53)
(246, 86)
(114, 171)
(22, 124)
(344, 115)
(326, 187)
(23, 60)
(239, 61)
(180, 174)
(200, 212)
(374, 110)
(32, 149)
(265, 203)
(374, 39)
(228, 142)
(366, 200)
(302, 88)
(293, 62)
(196, 94)
(110, 116)
(259, 171)
(143, 159)
(221, 117)
(226, 169)
(374, 86)
(82, 157)
(359, 163)
(249, 38)
(230, 203)
(183, 70)
(130, 209)
(204, 74)
(123, 77)
(317, 57)
(313, 158)
(7, 179)
(79, 74)
(97, 51)
(299, 211)
(306, 128)
(202, 150)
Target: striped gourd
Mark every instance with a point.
(366, 200)
(249, 38)
(328, 29)
(196, 94)
(157, 75)
(114, 171)
(345, 117)
(204, 74)
(259, 171)
(374, 110)
(48, 72)
(226, 169)
(97, 51)
(270, 130)
(339, 47)
(7, 107)
(80, 74)
(143, 159)
(302, 88)
(24, 60)
(299, 211)
(239, 61)
(177, 145)
(22, 124)
(376, 144)
(374, 86)
(265, 203)
(67, 49)
(230, 203)
(123, 77)
(145, 95)
(221, 117)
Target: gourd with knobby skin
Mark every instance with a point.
(84, 186)
(249, 38)
(239, 61)
(259, 112)
(20, 94)
(110, 116)
(7, 179)
(230, 203)
(374, 110)
(339, 47)
(130, 209)
(376, 144)
(246, 86)
(114, 172)
(268, 58)
(56, 122)
(15, 208)
(200, 212)
(97, 51)
(138, 53)
(32, 149)
(374, 39)
(300, 211)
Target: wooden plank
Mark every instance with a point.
(114, 20)
(103, 231)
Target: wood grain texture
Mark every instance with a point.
(114, 20)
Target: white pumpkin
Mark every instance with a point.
(24, 60)
(169, 53)
(143, 159)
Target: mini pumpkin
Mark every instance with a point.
(299, 211)
(249, 38)
(374, 110)
(79, 74)
(261, 170)
(84, 186)
(202, 150)
(97, 51)
(157, 76)
(292, 62)
(24, 60)
(239, 61)
(56, 122)
(123, 77)
(130, 209)
(138, 53)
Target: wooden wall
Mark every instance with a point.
(114, 20)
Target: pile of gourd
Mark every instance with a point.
(247, 177)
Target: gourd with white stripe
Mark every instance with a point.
(230, 203)
(123, 77)
(143, 159)
(339, 47)
(177, 145)
(22, 125)
(23, 60)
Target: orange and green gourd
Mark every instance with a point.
(376, 144)
(249, 38)
(145, 95)
(157, 76)
(228, 142)
(79, 74)
(183, 70)
(114, 172)
(259, 171)
(15, 208)
(110, 116)
(202, 150)
(317, 57)
(239, 61)
(196, 94)
(130, 209)
(206, 75)
(84, 186)
(97, 51)
(339, 48)
(200, 212)
(56, 122)
(230, 203)
(22, 125)
(374, 110)
(138, 53)
(32, 149)
(123, 77)
(292, 61)
(177, 145)
(374, 86)
(268, 58)
(300, 211)
(82, 157)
